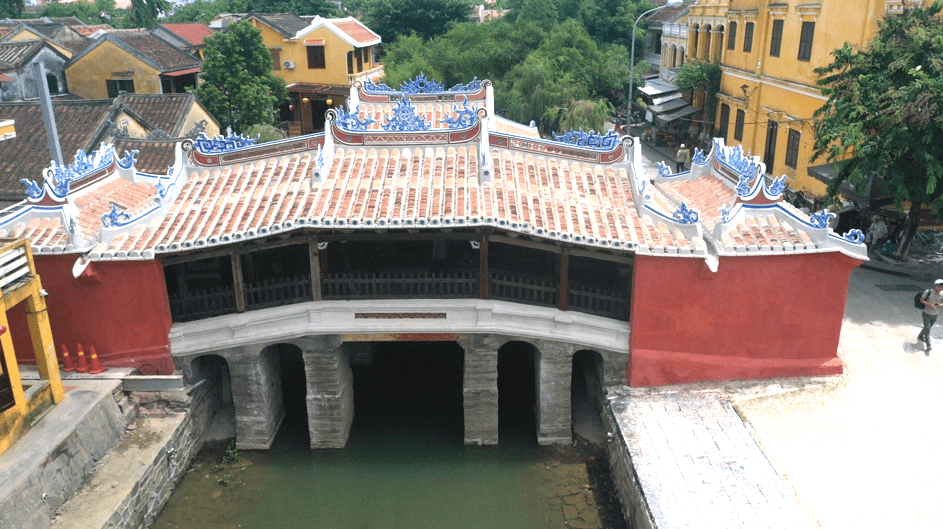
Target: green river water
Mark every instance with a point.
(407, 469)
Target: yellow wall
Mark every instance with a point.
(197, 114)
(87, 76)
(784, 88)
(335, 57)
(7, 129)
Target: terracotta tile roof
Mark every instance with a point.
(356, 30)
(165, 112)
(5, 78)
(167, 57)
(588, 190)
(154, 156)
(26, 155)
(192, 32)
(87, 31)
(4, 30)
(15, 55)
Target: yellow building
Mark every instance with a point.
(768, 88)
(319, 58)
(19, 405)
(137, 63)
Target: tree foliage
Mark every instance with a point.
(426, 18)
(884, 112)
(238, 85)
(700, 77)
(205, 10)
(143, 13)
(299, 7)
(11, 8)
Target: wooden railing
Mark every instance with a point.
(203, 304)
(14, 263)
(400, 284)
(522, 288)
(599, 301)
(406, 284)
(279, 291)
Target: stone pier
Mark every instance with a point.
(257, 395)
(480, 390)
(330, 385)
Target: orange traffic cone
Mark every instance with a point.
(95, 366)
(83, 363)
(67, 364)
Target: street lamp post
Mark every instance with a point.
(628, 109)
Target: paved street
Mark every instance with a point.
(866, 452)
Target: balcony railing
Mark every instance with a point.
(404, 284)
(278, 291)
(400, 284)
(14, 263)
(203, 304)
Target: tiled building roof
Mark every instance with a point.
(28, 154)
(442, 167)
(153, 156)
(165, 112)
(158, 51)
(87, 31)
(288, 24)
(17, 54)
(192, 32)
(356, 31)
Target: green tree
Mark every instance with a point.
(238, 85)
(883, 112)
(586, 114)
(11, 8)
(144, 13)
(700, 77)
(324, 8)
(426, 18)
(85, 11)
(206, 10)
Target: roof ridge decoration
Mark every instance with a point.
(222, 144)
(590, 140)
(57, 179)
(421, 85)
(464, 117)
(350, 120)
(405, 118)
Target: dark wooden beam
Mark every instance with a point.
(238, 284)
(563, 284)
(483, 284)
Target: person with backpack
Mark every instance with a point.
(931, 300)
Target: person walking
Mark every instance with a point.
(931, 299)
(683, 156)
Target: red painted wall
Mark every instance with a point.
(120, 308)
(756, 317)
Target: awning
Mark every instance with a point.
(315, 89)
(678, 114)
(873, 195)
(655, 87)
(669, 106)
(181, 72)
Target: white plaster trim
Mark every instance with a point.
(464, 316)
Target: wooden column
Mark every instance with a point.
(483, 267)
(238, 284)
(563, 284)
(314, 260)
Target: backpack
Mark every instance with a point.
(921, 296)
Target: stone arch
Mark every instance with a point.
(519, 391)
(587, 396)
(212, 398)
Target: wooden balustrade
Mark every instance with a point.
(405, 284)
(203, 304)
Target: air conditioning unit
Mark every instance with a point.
(289, 64)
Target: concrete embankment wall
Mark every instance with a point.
(126, 471)
(624, 477)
